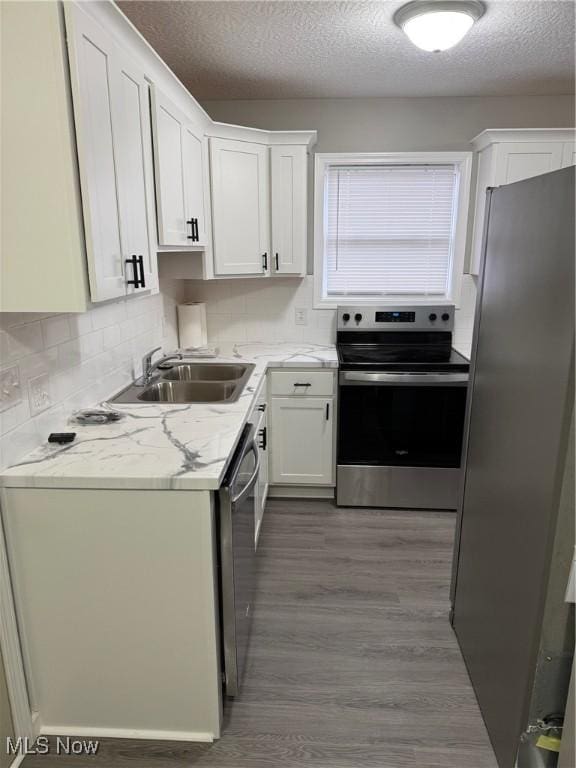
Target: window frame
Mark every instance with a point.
(463, 160)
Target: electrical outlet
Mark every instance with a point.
(39, 393)
(301, 316)
(10, 389)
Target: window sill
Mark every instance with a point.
(350, 301)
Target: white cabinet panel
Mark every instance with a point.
(289, 209)
(113, 136)
(135, 177)
(522, 160)
(302, 383)
(95, 97)
(569, 154)
(192, 141)
(302, 440)
(240, 207)
(508, 156)
(179, 175)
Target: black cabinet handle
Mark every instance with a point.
(302, 385)
(133, 260)
(327, 411)
(262, 407)
(194, 230)
(142, 280)
(264, 436)
(276, 257)
(265, 261)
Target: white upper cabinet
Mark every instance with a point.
(178, 156)
(134, 162)
(506, 156)
(240, 207)
(112, 132)
(289, 209)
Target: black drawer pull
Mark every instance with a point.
(264, 436)
(302, 385)
(262, 407)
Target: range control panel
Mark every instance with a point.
(403, 318)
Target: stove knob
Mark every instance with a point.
(432, 316)
(345, 317)
(445, 316)
(357, 317)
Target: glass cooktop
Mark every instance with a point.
(407, 357)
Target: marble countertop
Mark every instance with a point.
(160, 446)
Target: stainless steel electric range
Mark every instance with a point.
(401, 402)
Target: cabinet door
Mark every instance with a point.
(133, 142)
(240, 207)
(289, 179)
(569, 154)
(192, 140)
(93, 65)
(522, 160)
(302, 440)
(167, 124)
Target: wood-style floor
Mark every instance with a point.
(353, 661)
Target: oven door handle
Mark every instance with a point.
(381, 379)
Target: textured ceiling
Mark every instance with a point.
(320, 48)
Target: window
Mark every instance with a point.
(390, 228)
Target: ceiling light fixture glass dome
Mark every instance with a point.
(436, 25)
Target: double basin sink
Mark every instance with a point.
(185, 382)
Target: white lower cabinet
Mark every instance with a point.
(302, 440)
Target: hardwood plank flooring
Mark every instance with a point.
(353, 663)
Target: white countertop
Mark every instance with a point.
(159, 446)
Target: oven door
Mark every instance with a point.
(401, 419)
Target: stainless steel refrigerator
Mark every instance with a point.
(515, 533)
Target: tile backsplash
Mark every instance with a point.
(69, 361)
(281, 309)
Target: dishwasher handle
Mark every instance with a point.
(250, 447)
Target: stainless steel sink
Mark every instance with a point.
(204, 372)
(190, 383)
(188, 392)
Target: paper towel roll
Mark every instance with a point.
(192, 330)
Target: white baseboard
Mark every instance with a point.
(124, 733)
(301, 492)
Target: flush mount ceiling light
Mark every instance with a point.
(436, 25)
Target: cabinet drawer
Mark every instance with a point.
(302, 383)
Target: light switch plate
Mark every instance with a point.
(39, 393)
(10, 389)
(301, 317)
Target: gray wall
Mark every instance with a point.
(393, 125)
(396, 125)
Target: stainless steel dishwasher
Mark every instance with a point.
(237, 508)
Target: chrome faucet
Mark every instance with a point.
(148, 367)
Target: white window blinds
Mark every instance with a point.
(389, 229)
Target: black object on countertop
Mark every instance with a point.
(61, 437)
